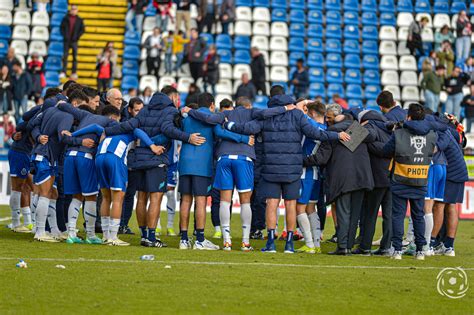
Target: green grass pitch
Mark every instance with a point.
(112, 280)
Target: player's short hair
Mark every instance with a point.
(77, 94)
(193, 106)
(169, 90)
(334, 108)
(73, 87)
(90, 92)
(385, 99)
(277, 90)
(68, 84)
(317, 107)
(243, 101)
(110, 110)
(52, 92)
(416, 111)
(205, 100)
(226, 103)
(133, 101)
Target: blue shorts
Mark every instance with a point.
(19, 164)
(43, 170)
(172, 180)
(112, 173)
(453, 192)
(232, 173)
(309, 192)
(436, 182)
(195, 185)
(151, 179)
(287, 191)
(80, 176)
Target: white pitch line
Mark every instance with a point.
(220, 263)
(5, 219)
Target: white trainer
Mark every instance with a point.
(184, 244)
(117, 242)
(397, 255)
(420, 255)
(46, 238)
(21, 229)
(205, 245)
(449, 252)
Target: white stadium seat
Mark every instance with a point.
(143, 54)
(408, 78)
(279, 29)
(428, 16)
(403, 33)
(410, 93)
(40, 19)
(389, 63)
(21, 32)
(220, 97)
(261, 28)
(6, 5)
(390, 77)
(183, 84)
(261, 42)
(278, 43)
(454, 19)
(225, 71)
(387, 47)
(40, 33)
(427, 35)
(148, 81)
(21, 59)
(261, 14)
(404, 19)
(224, 87)
(143, 69)
(5, 17)
(240, 69)
(22, 18)
(39, 47)
(388, 33)
(166, 80)
(20, 46)
(407, 63)
(149, 23)
(279, 58)
(243, 14)
(279, 74)
(265, 56)
(395, 90)
(402, 48)
(441, 20)
(145, 36)
(242, 28)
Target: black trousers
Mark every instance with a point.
(73, 46)
(321, 206)
(348, 208)
(103, 84)
(258, 205)
(373, 200)
(153, 65)
(62, 205)
(207, 22)
(196, 70)
(215, 207)
(260, 86)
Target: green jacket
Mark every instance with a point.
(432, 82)
(446, 59)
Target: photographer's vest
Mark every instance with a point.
(413, 155)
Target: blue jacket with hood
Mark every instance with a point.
(25, 144)
(396, 114)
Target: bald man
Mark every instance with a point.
(114, 98)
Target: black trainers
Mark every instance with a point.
(127, 230)
(257, 235)
(381, 252)
(143, 242)
(360, 251)
(157, 243)
(121, 230)
(333, 239)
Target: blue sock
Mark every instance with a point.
(200, 235)
(289, 238)
(144, 232)
(433, 242)
(449, 242)
(271, 236)
(151, 235)
(184, 236)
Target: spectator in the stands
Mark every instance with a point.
(163, 13)
(22, 87)
(104, 71)
(8, 128)
(131, 92)
(211, 69)
(227, 14)
(430, 62)
(468, 104)
(72, 28)
(453, 85)
(206, 15)
(114, 98)
(136, 13)
(432, 84)
(414, 41)
(441, 35)
(10, 59)
(116, 69)
(146, 95)
(183, 15)
(463, 38)
(246, 88)
(300, 80)
(153, 45)
(5, 89)
(468, 68)
(168, 48)
(196, 53)
(193, 93)
(446, 57)
(35, 68)
(339, 100)
(258, 66)
(178, 49)
(41, 5)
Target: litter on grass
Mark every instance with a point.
(21, 264)
(61, 266)
(167, 267)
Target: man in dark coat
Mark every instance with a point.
(196, 54)
(257, 66)
(389, 107)
(246, 89)
(72, 28)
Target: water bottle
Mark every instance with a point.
(147, 257)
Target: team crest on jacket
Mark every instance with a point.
(418, 142)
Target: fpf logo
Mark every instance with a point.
(418, 142)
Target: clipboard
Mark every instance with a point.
(358, 135)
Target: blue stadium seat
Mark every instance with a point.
(297, 16)
(225, 55)
(333, 5)
(315, 17)
(351, 18)
(351, 5)
(315, 5)
(388, 19)
(3, 47)
(261, 3)
(352, 61)
(131, 52)
(56, 19)
(207, 37)
(242, 56)
(333, 17)
(223, 41)
(131, 38)
(150, 10)
(353, 76)
(56, 34)
(260, 102)
(279, 4)
(422, 6)
(370, 33)
(130, 67)
(355, 104)
(369, 18)
(351, 46)
(372, 105)
(351, 32)
(283, 84)
(5, 32)
(294, 56)
(372, 91)
(315, 31)
(334, 76)
(279, 15)
(53, 64)
(333, 46)
(333, 31)
(297, 30)
(298, 4)
(129, 82)
(317, 89)
(371, 77)
(420, 62)
(370, 62)
(242, 42)
(427, 47)
(59, 6)
(387, 6)
(405, 6)
(457, 6)
(56, 49)
(354, 91)
(315, 45)
(243, 3)
(52, 78)
(297, 44)
(316, 75)
(315, 60)
(441, 7)
(335, 89)
(370, 47)
(369, 6)
(333, 60)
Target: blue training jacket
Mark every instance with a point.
(25, 144)
(396, 114)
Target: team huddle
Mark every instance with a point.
(301, 151)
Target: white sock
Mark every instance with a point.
(34, 202)
(428, 227)
(246, 217)
(315, 228)
(15, 204)
(305, 228)
(90, 216)
(41, 215)
(26, 211)
(217, 228)
(411, 231)
(72, 216)
(113, 228)
(224, 215)
(52, 220)
(158, 225)
(104, 222)
(171, 207)
(278, 219)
